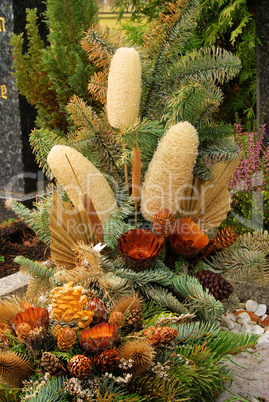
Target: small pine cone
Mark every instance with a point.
(116, 318)
(225, 238)
(56, 326)
(51, 364)
(134, 321)
(38, 339)
(107, 360)
(100, 310)
(164, 222)
(79, 366)
(23, 330)
(66, 339)
(217, 286)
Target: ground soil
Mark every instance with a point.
(18, 239)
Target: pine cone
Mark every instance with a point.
(225, 238)
(79, 366)
(99, 309)
(217, 286)
(66, 339)
(107, 360)
(51, 364)
(164, 222)
(134, 321)
(116, 318)
(23, 330)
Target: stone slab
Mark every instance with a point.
(14, 284)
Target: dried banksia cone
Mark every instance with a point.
(14, 369)
(187, 239)
(164, 222)
(139, 248)
(79, 366)
(156, 336)
(116, 318)
(34, 316)
(217, 286)
(23, 330)
(51, 364)
(134, 321)
(225, 238)
(124, 88)
(107, 360)
(66, 339)
(90, 179)
(100, 310)
(140, 353)
(169, 170)
(98, 338)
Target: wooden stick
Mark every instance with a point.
(126, 176)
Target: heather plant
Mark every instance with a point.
(249, 185)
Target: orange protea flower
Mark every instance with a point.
(98, 338)
(139, 248)
(187, 239)
(34, 316)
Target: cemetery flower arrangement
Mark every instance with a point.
(126, 308)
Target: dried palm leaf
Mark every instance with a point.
(208, 202)
(69, 226)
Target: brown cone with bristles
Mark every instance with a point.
(164, 222)
(79, 366)
(66, 339)
(217, 286)
(128, 303)
(14, 368)
(107, 360)
(116, 318)
(225, 238)
(140, 353)
(51, 364)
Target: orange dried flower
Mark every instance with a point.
(98, 338)
(139, 248)
(34, 316)
(187, 239)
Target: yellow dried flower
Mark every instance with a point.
(169, 170)
(68, 303)
(124, 88)
(82, 177)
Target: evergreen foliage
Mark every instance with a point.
(49, 75)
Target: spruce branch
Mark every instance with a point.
(51, 391)
(164, 298)
(34, 268)
(196, 330)
(198, 300)
(227, 343)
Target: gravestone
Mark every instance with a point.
(262, 29)
(18, 171)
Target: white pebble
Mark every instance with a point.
(243, 321)
(251, 305)
(258, 330)
(231, 316)
(260, 310)
(246, 328)
(243, 316)
(227, 322)
(235, 330)
(237, 326)
(264, 316)
(263, 341)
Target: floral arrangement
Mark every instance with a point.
(122, 311)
